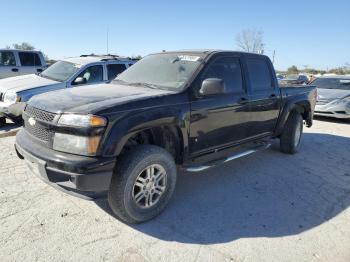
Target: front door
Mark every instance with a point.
(219, 120)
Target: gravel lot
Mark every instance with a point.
(265, 207)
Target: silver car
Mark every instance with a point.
(333, 98)
(67, 73)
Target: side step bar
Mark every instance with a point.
(199, 168)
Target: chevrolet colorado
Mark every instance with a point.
(191, 109)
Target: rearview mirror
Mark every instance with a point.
(80, 81)
(212, 86)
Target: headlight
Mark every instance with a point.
(11, 97)
(82, 120)
(80, 145)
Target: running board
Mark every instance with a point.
(199, 168)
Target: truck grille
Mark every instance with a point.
(39, 114)
(39, 130)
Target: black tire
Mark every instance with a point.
(289, 140)
(122, 189)
(2, 121)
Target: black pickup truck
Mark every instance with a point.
(188, 109)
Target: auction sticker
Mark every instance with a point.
(190, 58)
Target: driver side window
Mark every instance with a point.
(92, 74)
(229, 70)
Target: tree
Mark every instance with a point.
(292, 70)
(250, 40)
(23, 46)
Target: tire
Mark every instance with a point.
(2, 121)
(291, 135)
(125, 189)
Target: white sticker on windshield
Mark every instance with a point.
(190, 58)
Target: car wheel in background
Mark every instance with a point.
(2, 121)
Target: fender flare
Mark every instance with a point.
(136, 122)
(301, 106)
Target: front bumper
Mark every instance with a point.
(84, 177)
(336, 110)
(12, 111)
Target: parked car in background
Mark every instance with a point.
(333, 98)
(194, 109)
(294, 80)
(19, 62)
(66, 73)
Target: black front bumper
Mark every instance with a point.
(85, 177)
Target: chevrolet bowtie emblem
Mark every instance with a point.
(32, 121)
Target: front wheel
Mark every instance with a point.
(142, 184)
(291, 135)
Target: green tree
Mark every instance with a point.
(292, 70)
(23, 46)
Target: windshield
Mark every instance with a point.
(163, 71)
(332, 83)
(60, 71)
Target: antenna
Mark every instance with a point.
(273, 56)
(107, 41)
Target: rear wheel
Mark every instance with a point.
(143, 183)
(291, 135)
(2, 121)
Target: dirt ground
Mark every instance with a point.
(264, 207)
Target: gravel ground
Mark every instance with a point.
(265, 207)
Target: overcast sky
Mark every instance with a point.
(303, 33)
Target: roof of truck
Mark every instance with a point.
(20, 50)
(207, 52)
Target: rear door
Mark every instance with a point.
(113, 70)
(8, 65)
(264, 96)
(219, 120)
(30, 63)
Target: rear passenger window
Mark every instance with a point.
(229, 70)
(7, 58)
(29, 59)
(114, 70)
(259, 74)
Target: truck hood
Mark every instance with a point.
(25, 82)
(90, 98)
(331, 94)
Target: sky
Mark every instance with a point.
(314, 34)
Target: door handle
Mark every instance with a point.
(243, 100)
(14, 69)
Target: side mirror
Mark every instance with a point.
(212, 86)
(80, 81)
